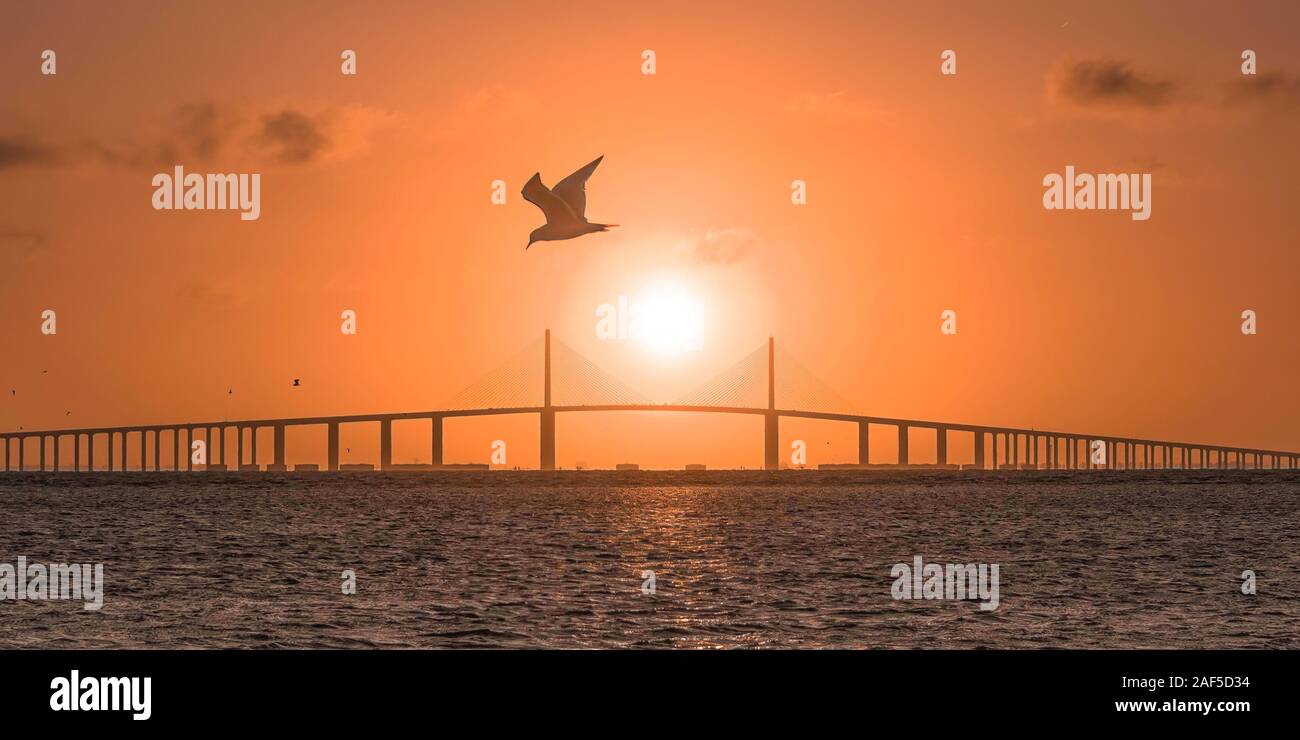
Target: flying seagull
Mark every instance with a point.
(565, 206)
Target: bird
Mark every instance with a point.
(564, 205)
(296, 383)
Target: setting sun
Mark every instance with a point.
(669, 320)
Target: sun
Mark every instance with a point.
(669, 320)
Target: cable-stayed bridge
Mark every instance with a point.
(572, 384)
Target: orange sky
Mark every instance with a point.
(924, 194)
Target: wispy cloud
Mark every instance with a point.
(841, 105)
(221, 294)
(719, 246)
(23, 242)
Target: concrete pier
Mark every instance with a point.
(332, 443)
(435, 439)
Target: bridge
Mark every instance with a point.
(730, 392)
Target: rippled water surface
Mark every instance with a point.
(796, 559)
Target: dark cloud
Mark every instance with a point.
(200, 132)
(1270, 90)
(16, 151)
(1104, 82)
(292, 137)
(204, 128)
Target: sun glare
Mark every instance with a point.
(670, 321)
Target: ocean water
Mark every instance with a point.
(799, 559)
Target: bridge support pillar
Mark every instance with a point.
(385, 444)
(332, 453)
(124, 452)
(41, 460)
(864, 443)
(771, 442)
(157, 450)
(902, 444)
(76, 452)
(979, 451)
(547, 461)
(110, 452)
(90, 453)
(941, 445)
(435, 437)
(22, 453)
(278, 450)
(144, 447)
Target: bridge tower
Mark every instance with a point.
(548, 414)
(771, 427)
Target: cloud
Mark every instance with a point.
(222, 294)
(491, 106)
(204, 128)
(26, 242)
(1106, 83)
(1273, 90)
(16, 151)
(840, 105)
(235, 135)
(498, 101)
(293, 137)
(719, 246)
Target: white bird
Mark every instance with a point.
(565, 206)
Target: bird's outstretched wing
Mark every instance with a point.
(556, 210)
(573, 189)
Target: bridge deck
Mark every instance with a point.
(787, 413)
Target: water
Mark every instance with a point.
(524, 559)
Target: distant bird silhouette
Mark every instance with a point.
(565, 206)
(296, 383)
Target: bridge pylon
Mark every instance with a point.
(548, 414)
(771, 422)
